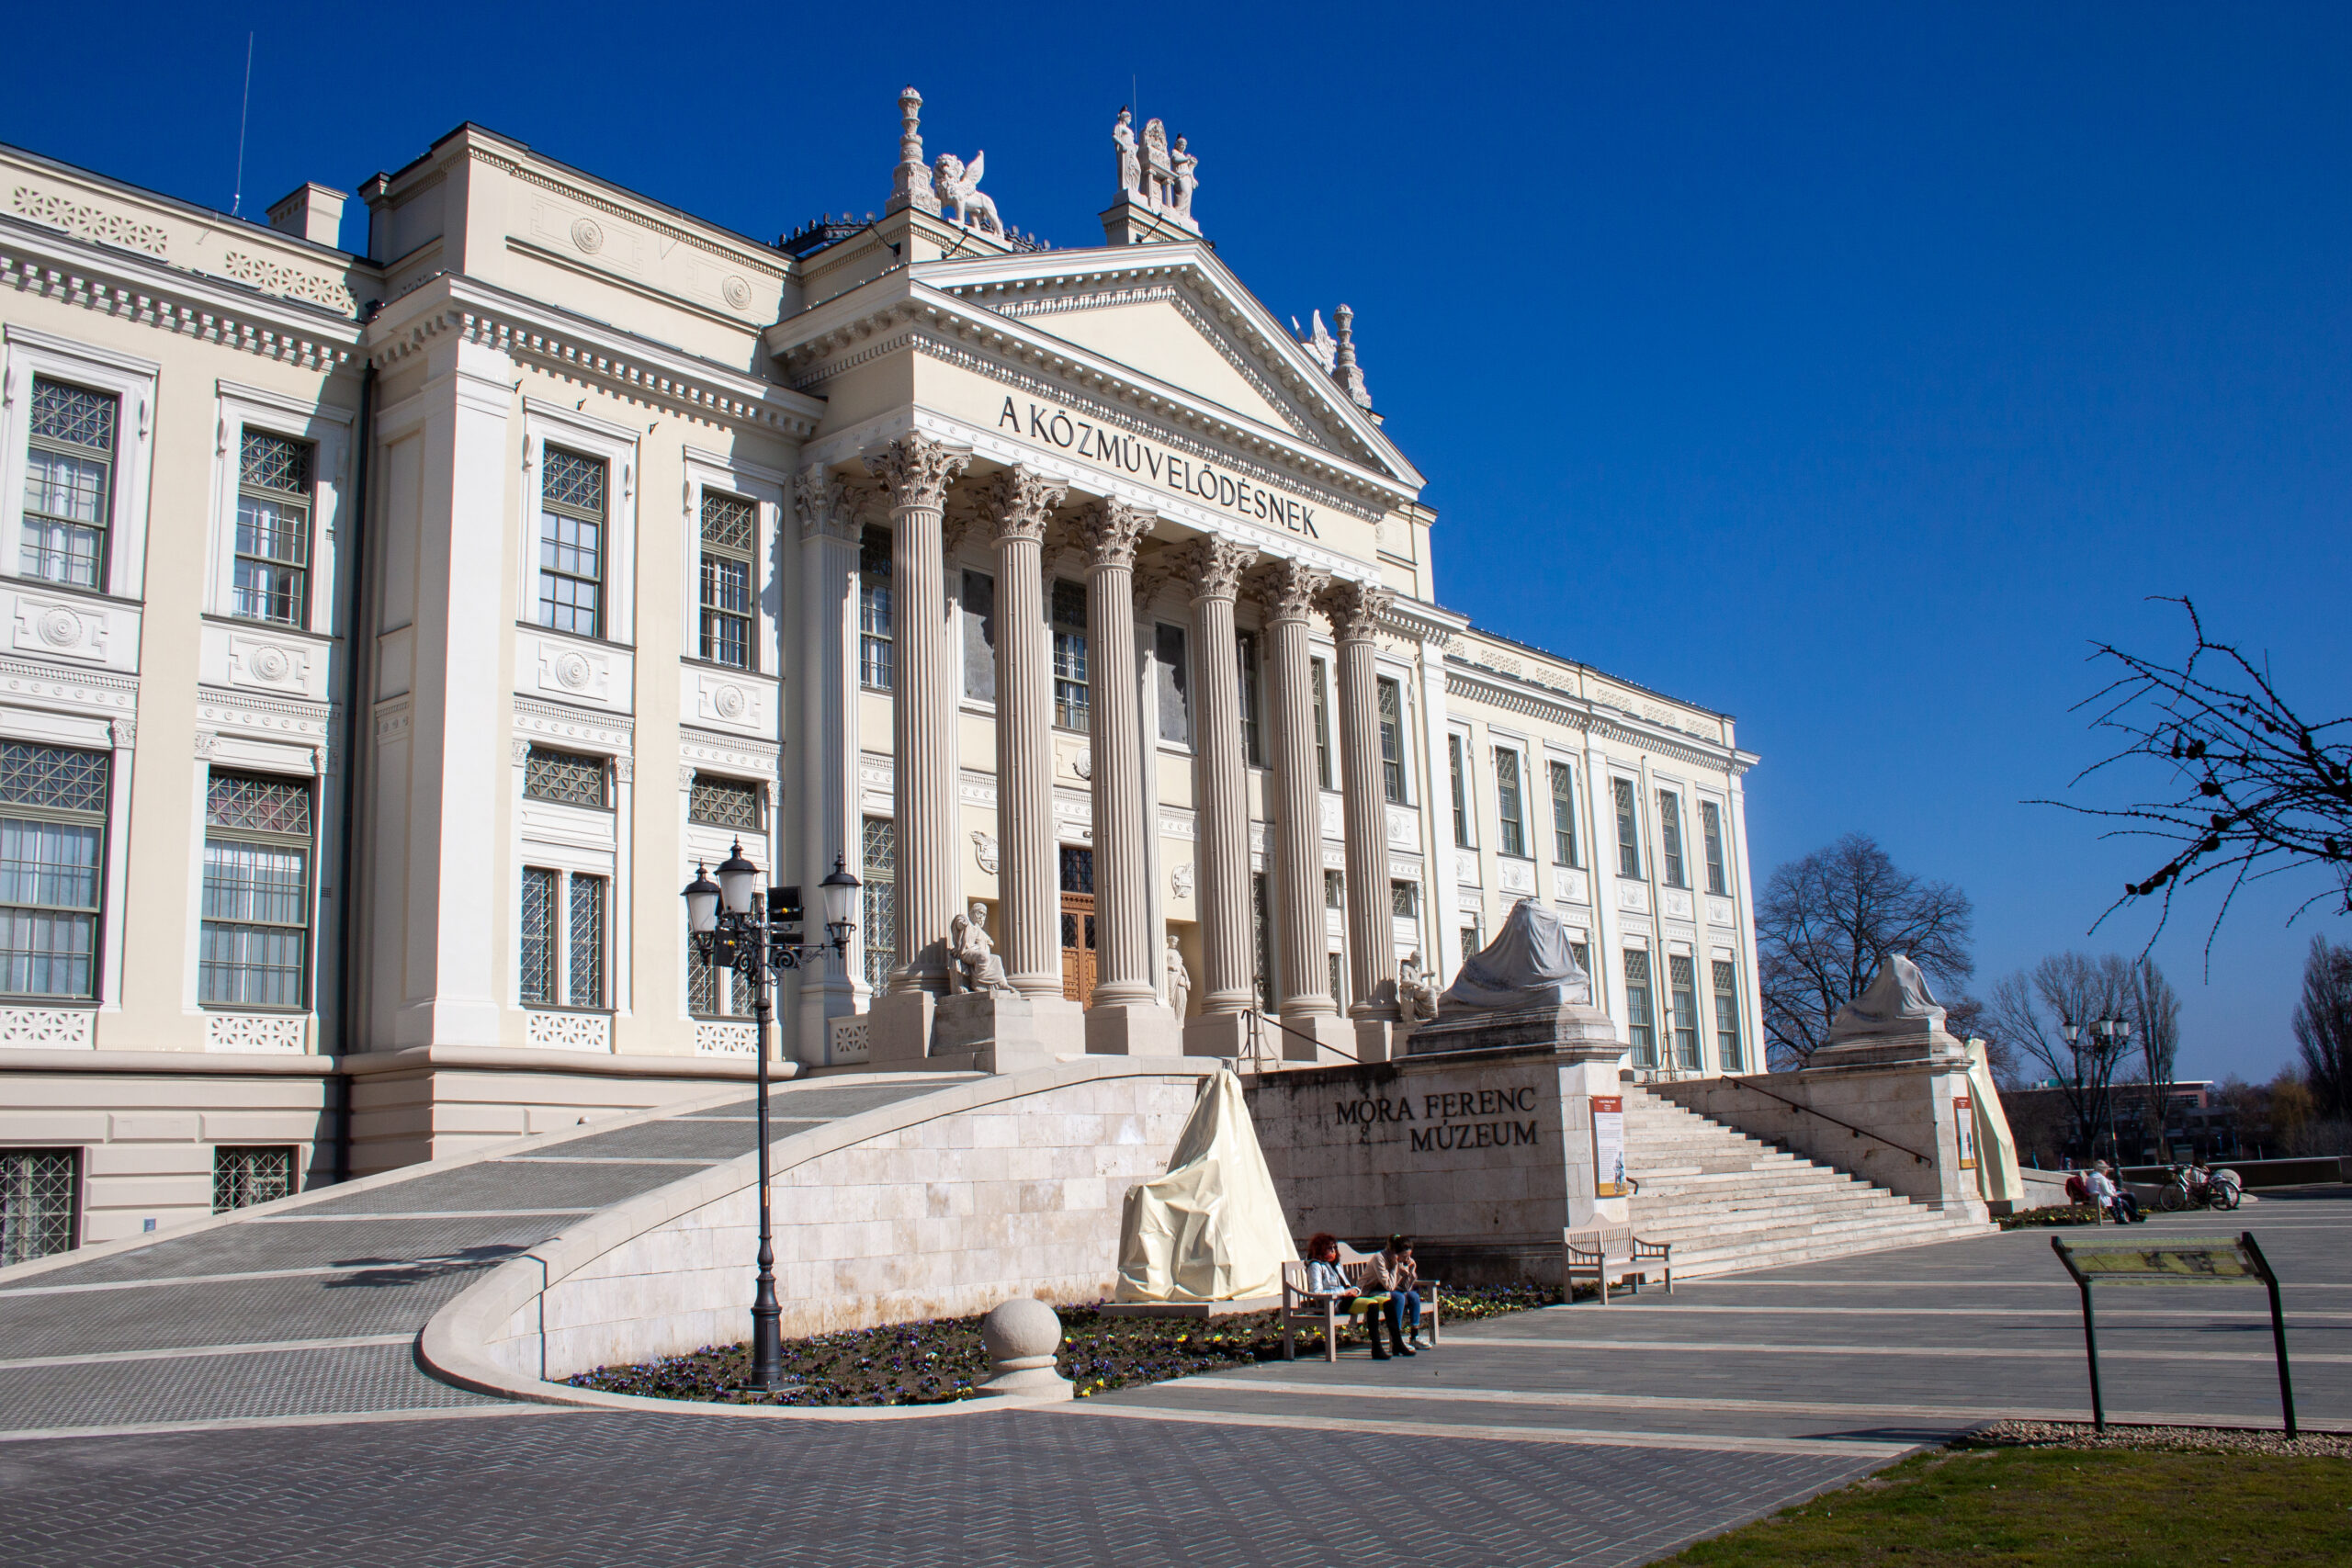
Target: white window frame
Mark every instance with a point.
(299, 765)
(1497, 745)
(575, 839)
(1465, 820)
(705, 845)
(766, 489)
(131, 381)
(618, 447)
(328, 432)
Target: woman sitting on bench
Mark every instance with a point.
(1324, 1279)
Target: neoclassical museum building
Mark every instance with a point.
(390, 636)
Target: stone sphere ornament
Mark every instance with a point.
(1022, 1336)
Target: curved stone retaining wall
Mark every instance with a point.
(938, 1206)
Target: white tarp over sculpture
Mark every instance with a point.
(1210, 1230)
(1996, 1147)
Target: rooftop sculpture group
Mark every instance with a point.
(1154, 175)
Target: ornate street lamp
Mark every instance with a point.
(759, 939)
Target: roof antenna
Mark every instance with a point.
(237, 198)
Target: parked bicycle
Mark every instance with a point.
(2195, 1187)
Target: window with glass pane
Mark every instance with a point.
(880, 894)
(585, 942)
(877, 657)
(1173, 678)
(1071, 693)
(976, 616)
(1392, 743)
(724, 803)
(1564, 815)
(572, 542)
(1318, 678)
(1252, 740)
(569, 778)
(69, 483)
(1461, 792)
(704, 992)
(52, 834)
(1335, 891)
(1262, 929)
(1683, 987)
(1405, 900)
(1670, 837)
(1728, 1053)
(41, 1198)
(539, 955)
(729, 533)
(1628, 829)
(244, 1177)
(273, 571)
(1508, 805)
(1641, 1024)
(254, 940)
(1337, 964)
(1471, 944)
(1710, 826)
(1582, 953)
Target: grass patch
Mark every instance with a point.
(942, 1359)
(2064, 1507)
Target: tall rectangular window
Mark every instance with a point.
(880, 898)
(1582, 953)
(537, 959)
(273, 571)
(1263, 931)
(584, 941)
(53, 859)
(975, 618)
(1392, 743)
(69, 483)
(1472, 944)
(705, 989)
(1629, 829)
(876, 661)
(1338, 965)
(244, 1176)
(719, 801)
(1728, 1053)
(1172, 678)
(1335, 890)
(1405, 900)
(1564, 815)
(1461, 790)
(1318, 675)
(564, 920)
(572, 542)
(1682, 987)
(1511, 805)
(729, 541)
(1641, 1024)
(1670, 837)
(41, 1198)
(569, 778)
(1253, 739)
(253, 946)
(1071, 692)
(1711, 824)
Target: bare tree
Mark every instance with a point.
(2324, 1028)
(1828, 921)
(2032, 1011)
(2249, 788)
(2154, 1008)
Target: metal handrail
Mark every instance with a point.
(1262, 1017)
(1858, 1132)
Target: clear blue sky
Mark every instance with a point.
(1847, 367)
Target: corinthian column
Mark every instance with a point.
(916, 472)
(1287, 590)
(1126, 1014)
(1017, 503)
(1355, 609)
(826, 767)
(1212, 566)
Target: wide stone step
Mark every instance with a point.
(1725, 1230)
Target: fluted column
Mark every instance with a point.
(1017, 503)
(916, 471)
(1212, 566)
(1355, 609)
(826, 768)
(1287, 590)
(1108, 533)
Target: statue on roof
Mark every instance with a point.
(1123, 137)
(1158, 172)
(1186, 178)
(960, 187)
(1318, 343)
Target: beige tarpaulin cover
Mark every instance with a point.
(1210, 1230)
(1996, 1147)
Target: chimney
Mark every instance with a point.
(312, 212)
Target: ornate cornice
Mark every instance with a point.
(179, 312)
(1513, 695)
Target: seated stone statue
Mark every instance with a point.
(1527, 966)
(1416, 997)
(1897, 1004)
(973, 964)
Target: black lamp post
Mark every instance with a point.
(758, 940)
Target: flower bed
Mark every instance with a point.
(935, 1362)
(2055, 1215)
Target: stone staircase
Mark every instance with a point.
(1729, 1202)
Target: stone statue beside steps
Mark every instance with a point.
(1896, 1004)
(973, 964)
(1416, 994)
(1529, 964)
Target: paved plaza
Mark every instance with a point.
(249, 1395)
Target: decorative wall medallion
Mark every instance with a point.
(728, 702)
(736, 292)
(58, 627)
(984, 850)
(1083, 764)
(1180, 879)
(269, 663)
(1516, 876)
(1719, 911)
(1632, 897)
(1677, 903)
(587, 235)
(572, 670)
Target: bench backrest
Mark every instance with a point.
(1613, 1242)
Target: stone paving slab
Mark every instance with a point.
(292, 1244)
(376, 1301)
(217, 1388)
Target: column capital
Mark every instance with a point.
(1213, 564)
(1018, 502)
(1152, 574)
(916, 470)
(1287, 590)
(1107, 533)
(829, 504)
(1355, 608)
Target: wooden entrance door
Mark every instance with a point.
(1077, 925)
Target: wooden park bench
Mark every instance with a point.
(1302, 1309)
(1599, 1253)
